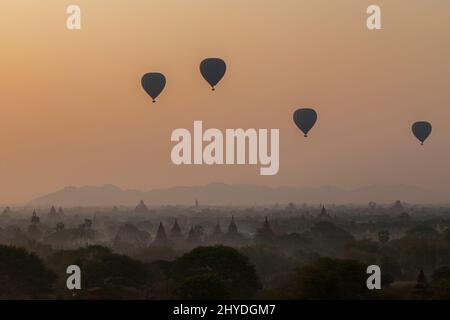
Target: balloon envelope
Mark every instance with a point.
(213, 70)
(153, 83)
(305, 119)
(421, 130)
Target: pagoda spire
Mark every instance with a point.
(176, 230)
(217, 229)
(161, 236)
(232, 228)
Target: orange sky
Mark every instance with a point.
(73, 113)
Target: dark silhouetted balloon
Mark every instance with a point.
(305, 119)
(153, 83)
(421, 130)
(213, 70)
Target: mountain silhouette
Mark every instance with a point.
(238, 194)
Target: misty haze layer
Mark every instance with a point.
(224, 194)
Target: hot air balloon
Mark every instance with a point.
(421, 130)
(153, 83)
(213, 70)
(305, 119)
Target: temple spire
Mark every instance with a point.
(232, 228)
(161, 236)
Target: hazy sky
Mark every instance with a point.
(73, 113)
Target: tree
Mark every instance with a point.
(441, 273)
(441, 289)
(227, 264)
(330, 232)
(391, 269)
(413, 252)
(104, 274)
(268, 261)
(59, 226)
(328, 278)
(205, 286)
(23, 275)
(422, 232)
(114, 270)
(384, 236)
(446, 234)
(155, 253)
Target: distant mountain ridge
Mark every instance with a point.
(238, 194)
